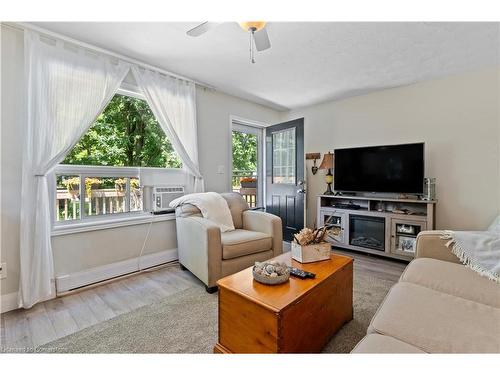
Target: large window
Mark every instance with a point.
(100, 175)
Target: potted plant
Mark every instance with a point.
(120, 184)
(248, 182)
(73, 186)
(91, 183)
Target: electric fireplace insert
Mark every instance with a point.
(367, 231)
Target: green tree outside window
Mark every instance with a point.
(126, 133)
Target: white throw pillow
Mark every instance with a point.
(495, 226)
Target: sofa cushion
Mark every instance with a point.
(452, 278)
(374, 343)
(237, 205)
(241, 242)
(437, 322)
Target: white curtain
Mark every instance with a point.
(173, 102)
(66, 89)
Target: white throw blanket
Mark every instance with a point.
(213, 207)
(479, 251)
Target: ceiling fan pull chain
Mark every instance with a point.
(252, 58)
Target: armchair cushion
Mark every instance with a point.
(266, 223)
(240, 242)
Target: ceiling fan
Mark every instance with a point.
(256, 29)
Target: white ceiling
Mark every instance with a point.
(309, 62)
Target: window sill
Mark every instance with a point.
(145, 218)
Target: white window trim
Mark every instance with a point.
(108, 223)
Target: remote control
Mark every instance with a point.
(301, 274)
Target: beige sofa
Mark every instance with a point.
(211, 255)
(438, 306)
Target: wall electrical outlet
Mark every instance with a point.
(3, 270)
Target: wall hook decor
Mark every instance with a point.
(313, 156)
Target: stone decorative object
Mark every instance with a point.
(271, 273)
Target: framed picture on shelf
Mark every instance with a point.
(407, 244)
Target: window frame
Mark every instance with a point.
(84, 171)
(88, 222)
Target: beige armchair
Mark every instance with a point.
(211, 255)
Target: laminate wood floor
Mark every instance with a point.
(62, 316)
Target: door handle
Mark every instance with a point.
(301, 191)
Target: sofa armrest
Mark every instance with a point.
(431, 245)
(199, 247)
(264, 222)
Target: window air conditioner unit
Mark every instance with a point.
(157, 198)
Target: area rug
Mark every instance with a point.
(186, 322)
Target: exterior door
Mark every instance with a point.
(285, 186)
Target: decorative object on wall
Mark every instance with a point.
(313, 156)
(327, 163)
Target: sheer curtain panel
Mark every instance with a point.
(173, 102)
(66, 89)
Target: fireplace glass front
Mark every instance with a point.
(367, 231)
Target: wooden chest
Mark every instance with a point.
(299, 316)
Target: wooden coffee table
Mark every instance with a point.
(299, 316)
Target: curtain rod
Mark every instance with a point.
(25, 26)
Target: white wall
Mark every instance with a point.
(80, 251)
(458, 119)
(214, 138)
(12, 55)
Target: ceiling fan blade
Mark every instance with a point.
(262, 40)
(202, 28)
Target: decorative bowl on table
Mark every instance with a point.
(271, 272)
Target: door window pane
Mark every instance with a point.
(284, 157)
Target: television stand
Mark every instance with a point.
(375, 225)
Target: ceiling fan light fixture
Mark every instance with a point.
(252, 25)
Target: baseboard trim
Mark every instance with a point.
(8, 302)
(65, 283)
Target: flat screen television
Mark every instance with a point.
(380, 169)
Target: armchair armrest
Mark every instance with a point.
(266, 223)
(199, 247)
(431, 245)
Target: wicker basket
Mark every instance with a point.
(271, 280)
